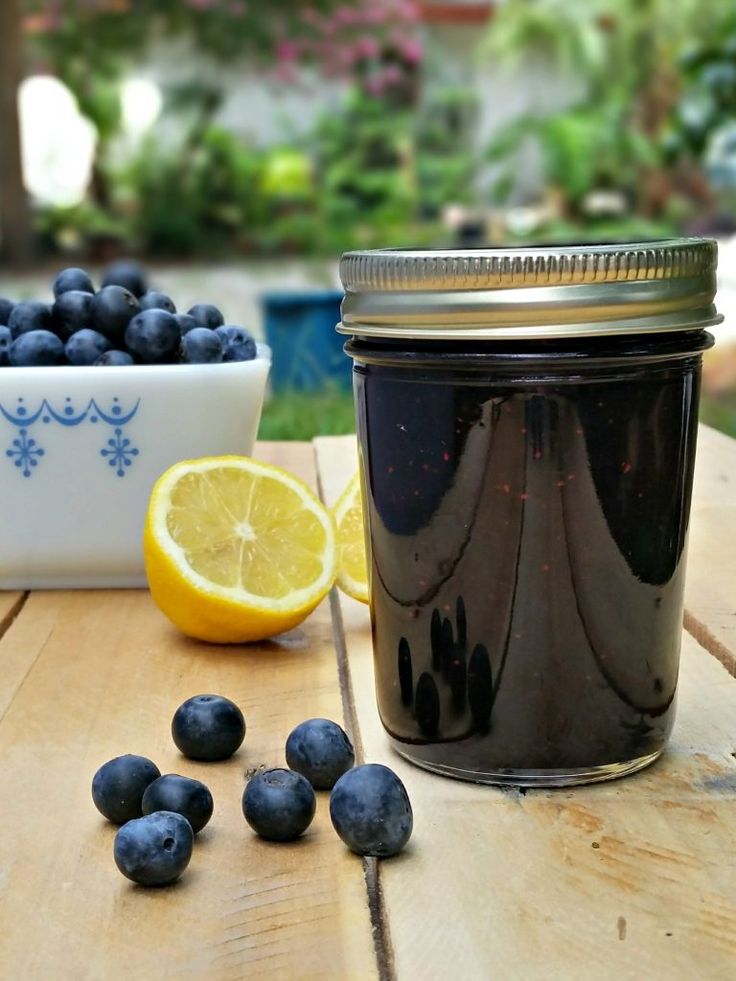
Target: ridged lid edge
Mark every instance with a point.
(388, 270)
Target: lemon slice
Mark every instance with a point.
(236, 550)
(352, 565)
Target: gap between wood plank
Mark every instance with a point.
(709, 642)
(371, 866)
(12, 613)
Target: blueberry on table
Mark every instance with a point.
(72, 280)
(279, 804)
(208, 728)
(72, 312)
(238, 343)
(153, 336)
(154, 850)
(116, 358)
(186, 323)
(36, 349)
(119, 785)
(201, 346)
(85, 347)
(184, 795)
(153, 300)
(112, 310)
(207, 315)
(6, 308)
(6, 339)
(30, 315)
(320, 750)
(371, 812)
(128, 274)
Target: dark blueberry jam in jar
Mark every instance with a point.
(527, 423)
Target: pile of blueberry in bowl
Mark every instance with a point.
(122, 323)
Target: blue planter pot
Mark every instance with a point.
(307, 351)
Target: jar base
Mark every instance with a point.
(565, 777)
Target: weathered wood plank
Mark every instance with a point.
(10, 606)
(628, 879)
(97, 674)
(715, 469)
(710, 590)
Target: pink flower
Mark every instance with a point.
(391, 75)
(411, 50)
(346, 15)
(287, 51)
(367, 47)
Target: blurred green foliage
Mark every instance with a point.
(708, 99)
(635, 83)
(656, 79)
(363, 177)
(719, 411)
(588, 147)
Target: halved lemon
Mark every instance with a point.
(236, 550)
(352, 564)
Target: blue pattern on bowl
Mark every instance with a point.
(25, 451)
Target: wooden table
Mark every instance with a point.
(633, 879)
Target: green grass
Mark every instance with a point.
(719, 411)
(303, 415)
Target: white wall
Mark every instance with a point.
(454, 58)
(267, 112)
(256, 106)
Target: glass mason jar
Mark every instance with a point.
(527, 422)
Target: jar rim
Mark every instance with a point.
(530, 291)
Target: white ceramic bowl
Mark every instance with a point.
(80, 449)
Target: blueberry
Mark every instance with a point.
(6, 339)
(186, 323)
(370, 810)
(321, 751)
(201, 346)
(72, 279)
(30, 315)
(185, 796)
(208, 727)
(207, 315)
(118, 786)
(153, 300)
(154, 850)
(71, 312)
(6, 308)
(85, 347)
(279, 804)
(238, 343)
(117, 358)
(152, 335)
(128, 274)
(37, 348)
(112, 310)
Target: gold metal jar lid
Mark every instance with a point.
(565, 291)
